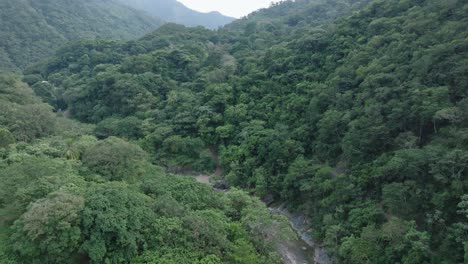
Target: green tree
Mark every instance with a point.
(115, 223)
(6, 138)
(49, 231)
(116, 160)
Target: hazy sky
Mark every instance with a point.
(234, 8)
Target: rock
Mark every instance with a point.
(268, 199)
(221, 185)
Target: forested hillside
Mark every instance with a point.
(67, 197)
(176, 12)
(352, 112)
(33, 29)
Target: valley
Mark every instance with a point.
(350, 116)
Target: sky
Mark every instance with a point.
(234, 8)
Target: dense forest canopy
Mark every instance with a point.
(33, 29)
(352, 112)
(67, 197)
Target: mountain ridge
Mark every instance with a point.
(176, 12)
(354, 112)
(32, 30)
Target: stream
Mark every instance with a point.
(305, 250)
(302, 251)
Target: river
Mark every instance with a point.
(304, 250)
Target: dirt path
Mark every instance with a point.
(203, 179)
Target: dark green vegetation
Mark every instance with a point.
(176, 12)
(33, 29)
(66, 197)
(353, 112)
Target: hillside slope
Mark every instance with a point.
(32, 30)
(176, 12)
(357, 118)
(67, 197)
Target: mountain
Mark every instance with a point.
(34, 29)
(176, 12)
(351, 113)
(103, 201)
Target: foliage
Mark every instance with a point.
(59, 212)
(49, 230)
(353, 112)
(6, 138)
(23, 115)
(116, 159)
(33, 30)
(115, 219)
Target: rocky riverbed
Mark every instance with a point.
(304, 250)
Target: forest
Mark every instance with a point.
(352, 112)
(67, 197)
(33, 30)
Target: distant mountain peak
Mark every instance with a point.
(176, 12)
